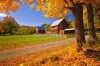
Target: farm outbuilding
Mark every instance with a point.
(70, 30)
(59, 25)
(40, 30)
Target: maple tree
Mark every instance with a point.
(91, 22)
(91, 19)
(58, 8)
(90, 6)
(9, 5)
(2, 27)
(9, 25)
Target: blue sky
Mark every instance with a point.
(29, 17)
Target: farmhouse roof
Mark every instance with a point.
(40, 28)
(57, 22)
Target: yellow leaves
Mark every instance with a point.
(51, 5)
(58, 56)
(44, 5)
(71, 50)
(38, 7)
(48, 15)
(52, 8)
(44, 9)
(70, 4)
(21, 64)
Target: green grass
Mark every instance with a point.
(14, 41)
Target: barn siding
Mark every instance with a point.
(54, 29)
(61, 26)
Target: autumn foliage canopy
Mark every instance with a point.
(50, 8)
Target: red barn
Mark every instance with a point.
(40, 30)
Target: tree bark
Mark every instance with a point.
(77, 10)
(91, 22)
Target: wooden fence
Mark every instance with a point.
(70, 35)
(59, 35)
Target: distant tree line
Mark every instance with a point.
(46, 26)
(23, 30)
(9, 26)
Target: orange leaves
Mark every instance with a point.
(0, 9)
(45, 5)
(40, 2)
(28, 1)
(6, 5)
(57, 56)
(40, 5)
(52, 8)
(56, 7)
(47, 15)
(60, 3)
(14, 6)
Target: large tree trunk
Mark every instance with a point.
(79, 25)
(91, 22)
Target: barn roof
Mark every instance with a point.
(40, 28)
(57, 22)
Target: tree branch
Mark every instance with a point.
(71, 8)
(65, 1)
(72, 2)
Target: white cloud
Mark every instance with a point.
(2, 15)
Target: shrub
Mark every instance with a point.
(91, 41)
(25, 31)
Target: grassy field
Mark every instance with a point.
(14, 41)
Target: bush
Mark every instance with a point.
(86, 33)
(25, 31)
(91, 41)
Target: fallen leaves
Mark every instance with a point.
(58, 56)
